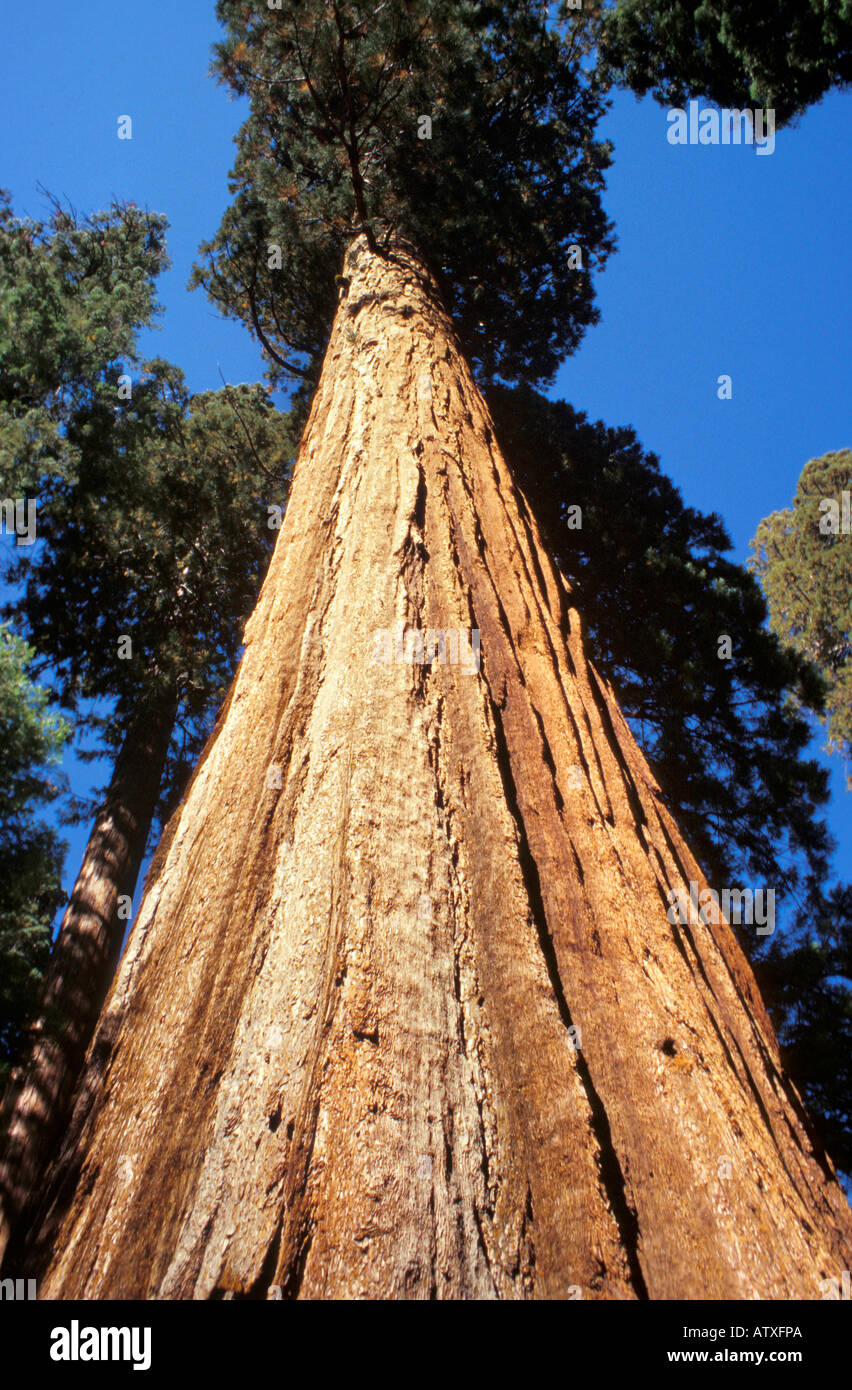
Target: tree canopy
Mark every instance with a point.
(803, 559)
(74, 294)
(466, 128)
(784, 56)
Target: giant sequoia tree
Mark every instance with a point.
(405, 1012)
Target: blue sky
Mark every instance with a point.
(727, 262)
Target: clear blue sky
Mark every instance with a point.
(727, 262)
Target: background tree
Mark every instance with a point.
(803, 559)
(32, 739)
(74, 294)
(154, 552)
(784, 56)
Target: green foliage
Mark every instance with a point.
(807, 984)
(163, 537)
(803, 558)
(657, 594)
(73, 295)
(32, 740)
(785, 55)
(510, 179)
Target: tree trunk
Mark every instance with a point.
(402, 1014)
(83, 960)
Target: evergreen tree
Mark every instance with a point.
(782, 56)
(803, 559)
(31, 852)
(155, 549)
(74, 294)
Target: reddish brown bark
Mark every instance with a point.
(402, 1014)
(36, 1106)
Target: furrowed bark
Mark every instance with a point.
(402, 1014)
(38, 1099)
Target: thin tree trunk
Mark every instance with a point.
(402, 1014)
(81, 966)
